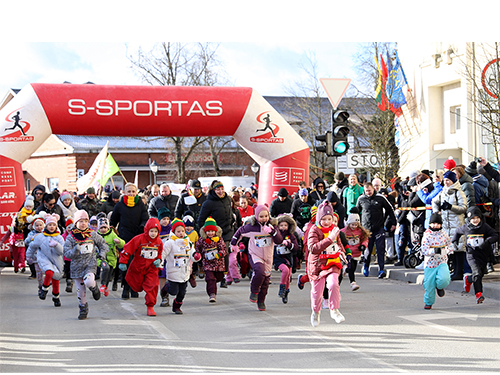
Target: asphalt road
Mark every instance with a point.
(386, 330)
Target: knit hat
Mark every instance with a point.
(314, 211)
(436, 218)
(412, 182)
(164, 212)
(339, 176)
(303, 192)
(471, 169)
(80, 214)
(29, 202)
(332, 197)
(93, 219)
(188, 221)
(210, 224)
(261, 207)
(115, 194)
(449, 164)
(65, 195)
(353, 218)
(450, 176)
(283, 192)
(216, 184)
(32, 219)
(90, 190)
(54, 218)
(176, 223)
(69, 221)
(102, 222)
(413, 174)
(325, 208)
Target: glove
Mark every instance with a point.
(235, 249)
(196, 256)
(334, 233)
(286, 243)
(52, 242)
(445, 206)
(157, 263)
(362, 248)
(268, 229)
(116, 241)
(241, 246)
(122, 267)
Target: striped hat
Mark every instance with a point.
(177, 222)
(314, 211)
(210, 224)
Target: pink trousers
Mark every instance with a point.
(317, 286)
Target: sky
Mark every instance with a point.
(268, 67)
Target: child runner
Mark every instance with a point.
(188, 221)
(358, 238)
(166, 227)
(49, 249)
(479, 237)
(302, 279)
(212, 248)
(37, 223)
(178, 253)
(263, 235)
(146, 250)
(324, 262)
(284, 253)
(114, 242)
(436, 245)
(83, 246)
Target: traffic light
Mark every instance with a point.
(328, 147)
(340, 120)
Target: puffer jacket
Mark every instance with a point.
(454, 217)
(261, 244)
(113, 253)
(220, 210)
(84, 263)
(208, 247)
(285, 254)
(179, 255)
(317, 243)
(48, 257)
(468, 189)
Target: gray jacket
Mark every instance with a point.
(48, 257)
(83, 262)
(468, 189)
(454, 217)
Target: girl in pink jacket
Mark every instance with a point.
(325, 261)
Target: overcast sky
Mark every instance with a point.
(267, 67)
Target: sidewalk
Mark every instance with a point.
(491, 281)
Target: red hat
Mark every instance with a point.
(449, 164)
(177, 222)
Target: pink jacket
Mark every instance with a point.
(316, 244)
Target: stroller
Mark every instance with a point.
(414, 258)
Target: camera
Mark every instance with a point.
(477, 160)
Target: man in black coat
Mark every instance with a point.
(281, 205)
(165, 199)
(191, 201)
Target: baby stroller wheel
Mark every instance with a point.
(412, 260)
(405, 261)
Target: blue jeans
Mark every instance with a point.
(439, 278)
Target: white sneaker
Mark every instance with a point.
(420, 266)
(354, 286)
(315, 319)
(326, 304)
(337, 316)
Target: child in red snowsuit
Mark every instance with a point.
(143, 273)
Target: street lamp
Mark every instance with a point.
(255, 169)
(154, 168)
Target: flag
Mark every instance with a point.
(110, 168)
(95, 172)
(397, 80)
(380, 93)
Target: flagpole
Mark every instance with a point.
(123, 176)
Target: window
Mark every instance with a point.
(53, 184)
(455, 119)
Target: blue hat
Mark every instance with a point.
(450, 176)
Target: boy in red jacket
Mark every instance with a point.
(143, 273)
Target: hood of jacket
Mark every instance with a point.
(466, 178)
(292, 225)
(150, 224)
(481, 180)
(218, 233)
(318, 180)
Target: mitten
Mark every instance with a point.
(157, 263)
(445, 206)
(286, 243)
(235, 248)
(268, 229)
(362, 248)
(196, 256)
(52, 242)
(116, 241)
(241, 246)
(122, 267)
(334, 233)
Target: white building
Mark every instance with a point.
(440, 119)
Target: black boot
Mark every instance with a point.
(33, 271)
(84, 310)
(176, 307)
(56, 300)
(126, 292)
(69, 285)
(96, 293)
(43, 292)
(281, 292)
(285, 296)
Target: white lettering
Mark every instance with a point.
(217, 109)
(148, 103)
(72, 103)
(108, 109)
(193, 110)
(168, 107)
(180, 102)
(8, 195)
(118, 108)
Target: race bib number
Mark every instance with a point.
(210, 255)
(180, 261)
(189, 200)
(86, 247)
(475, 240)
(20, 243)
(263, 240)
(149, 253)
(332, 249)
(282, 250)
(353, 241)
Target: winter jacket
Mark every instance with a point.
(480, 184)
(355, 238)
(92, 206)
(279, 207)
(48, 257)
(212, 250)
(376, 212)
(160, 201)
(83, 253)
(350, 196)
(436, 245)
(41, 188)
(317, 245)
(454, 217)
(131, 220)
(315, 195)
(179, 253)
(184, 204)
(260, 244)
(468, 189)
(285, 254)
(220, 210)
(427, 198)
(31, 253)
(69, 211)
(301, 212)
(145, 250)
(108, 205)
(113, 253)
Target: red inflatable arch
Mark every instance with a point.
(39, 110)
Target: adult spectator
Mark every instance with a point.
(452, 205)
(377, 184)
(155, 191)
(218, 206)
(402, 237)
(191, 201)
(129, 216)
(38, 193)
(377, 216)
(466, 184)
(426, 191)
(165, 199)
(245, 209)
(479, 182)
(302, 185)
(319, 192)
(341, 182)
(250, 196)
(301, 209)
(449, 164)
(282, 204)
(351, 194)
(338, 207)
(111, 202)
(49, 206)
(90, 203)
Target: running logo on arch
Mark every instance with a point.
(18, 129)
(270, 130)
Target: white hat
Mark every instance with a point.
(353, 218)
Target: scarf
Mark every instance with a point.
(214, 239)
(326, 231)
(80, 235)
(129, 201)
(50, 234)
(352, 194)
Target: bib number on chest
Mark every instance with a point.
(19, 243)
(282, 250)
(149, 253)
(86, 247)
(263, 240)
(180, 261)
(475, 240)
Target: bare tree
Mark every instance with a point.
(177, 64)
